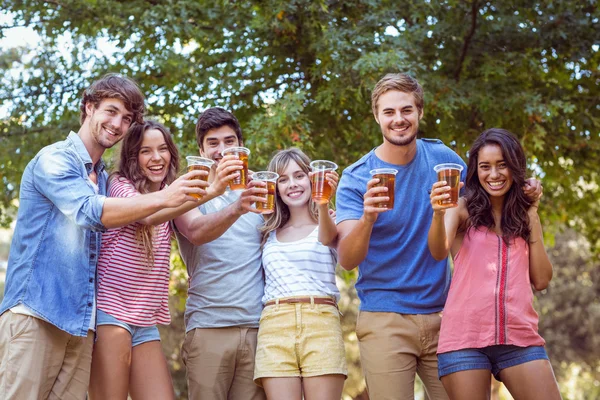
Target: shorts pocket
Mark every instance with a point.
(187, 345)
(19, 323)
(329, 310)
(359, 332)
(267, 312)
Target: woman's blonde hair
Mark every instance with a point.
(281, 216)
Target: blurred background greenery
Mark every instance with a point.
(299, 73)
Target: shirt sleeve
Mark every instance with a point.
(57, 176)
(121, 187)
(349, 198)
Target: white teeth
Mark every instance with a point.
(156, 168)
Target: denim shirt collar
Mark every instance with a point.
(84, 154)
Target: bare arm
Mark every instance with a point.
(540, 267)
(118, 211)
(327, 231)
(355, 235)
(226, 171)
(199, 228)
(445, 222)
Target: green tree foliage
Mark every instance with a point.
(570, 313)
(300, 73)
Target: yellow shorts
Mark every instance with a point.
(300, 339)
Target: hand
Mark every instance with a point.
(373, 198)
(440, 191)
(227, 170)
(332, 214)
(533, 189)
(188, 187)
(251, 195)
(332, 179)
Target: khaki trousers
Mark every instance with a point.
(393, 347)
(39, 361)
(220, 364)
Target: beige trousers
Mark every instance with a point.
(393, 347)
(220, 364)
(39, 361)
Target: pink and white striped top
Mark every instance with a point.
(490, 300)
(127, 288)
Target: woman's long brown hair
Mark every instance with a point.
(130, 169)
(515, 220)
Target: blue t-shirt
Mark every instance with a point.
(399, 273)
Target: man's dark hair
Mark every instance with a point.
(115, 86)
(214, 118)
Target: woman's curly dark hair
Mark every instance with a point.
(515, 220)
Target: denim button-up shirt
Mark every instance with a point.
(55, 247)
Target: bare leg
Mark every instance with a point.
(150, 377)
(111, 360)
(283, 388)
(473, 384)
(325, 387)
(532, 380)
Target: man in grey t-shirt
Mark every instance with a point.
(220, 245)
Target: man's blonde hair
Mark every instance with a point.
(400, 82)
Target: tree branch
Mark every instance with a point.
(11, 26)
(468, 37)
(56, 3)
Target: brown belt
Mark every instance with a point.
(293, 300)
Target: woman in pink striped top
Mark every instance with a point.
(133, 273)
(489, 324)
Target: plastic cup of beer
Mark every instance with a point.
(242, 153)
(387, 178)
(451, 174)
(321, 190)
(270, 178)
(202, 164)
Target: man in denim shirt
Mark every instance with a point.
(48, 312)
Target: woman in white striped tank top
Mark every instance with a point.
(300, 347)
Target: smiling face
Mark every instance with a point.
(294, 186)
(108, 123)
(492, 170)
(398, 117)
(217, 140)
(154, 158)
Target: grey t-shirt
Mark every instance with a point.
(226, 277)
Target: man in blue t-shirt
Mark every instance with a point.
(402, 288)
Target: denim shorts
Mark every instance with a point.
(139, 334)
(493, 358)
